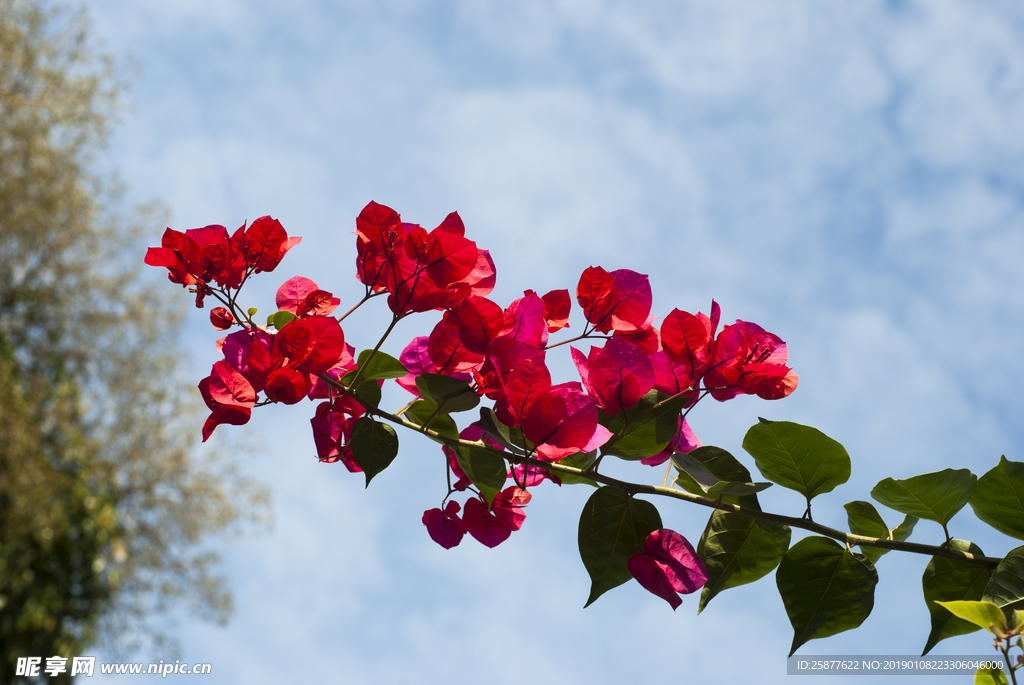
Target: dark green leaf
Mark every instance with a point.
(280, 319)
(645, 429)
(933, 496)
(865, 520)
(498, 431)
(949, 580)
(797, 457)
(1006, 588)
(380, 366)
(451, 394)
(613, 527)
(368, 393)
(725, 467)
(580, 460)
(826, 588)
(487, 471)
(374, 446)
(999, 498)
(709, 483)
(737, 550)
(420, 411)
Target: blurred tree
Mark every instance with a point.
(104, 515)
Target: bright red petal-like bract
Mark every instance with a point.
(301, 296)
(557, 305)
(221, 318)
(508, 505)
(618, 374)
(483, 525)
(229, 395)
(561, 421)
(444, 527)
(668, 565)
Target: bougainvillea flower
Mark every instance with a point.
(229, 395)
(484, 525)
(235, 349)
(503, 355)
(647, 338)
(620, 300)
(684, 441)
(420, 270)
(446, 349)
(617, 375)
(557, 305)
(562, 420)
(667, 566)
(221, 318)
(444, 527)
(480, 322)
(321, 389)
(302, 297)
(171, 254)
(750, 360)
(206, 251)
(508, 505)
(525, 321)
(332, 429)
(522, 385)
(687, 340)
(266, 243)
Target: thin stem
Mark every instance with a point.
(578, 337)
(360, 303)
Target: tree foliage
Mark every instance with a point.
(103, 511)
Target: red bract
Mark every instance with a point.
(421, 270)
(484, 525)
(201, 256)
(332, 429)
(620, 300)
(303, 297)
(525, 321)
(444, 527)
(171, 254)
(562, 420)
(446, 349)
(687, 339)
(557, 305)
(668, 565)
(618, 374)
(229, 396)
(750, 360)
(221, 318)
(522, 385)
(508, 506)
(266, 243)
(480, 322)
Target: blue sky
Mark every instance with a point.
(847, 175)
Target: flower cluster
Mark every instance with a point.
(640, 375)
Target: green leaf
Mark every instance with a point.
(982, 614)
(933, 496)
(865, 520)
(374, 446)
(826, 588)
(1006, 588)
(999, 498)
(737, 550)
(613, 527)
(709, 483)
(643, 430)
(725, 467)
(947, 580)
(797, 457)
(498, 431)
(451, 394)
(281, 319)
(420, 411)
(990, 676)
(381, 366)
(368, 393)
(580, 460)
(487, 471)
